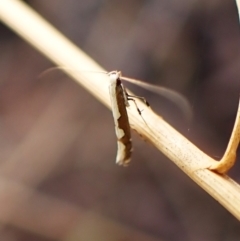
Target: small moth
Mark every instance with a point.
(119, 100)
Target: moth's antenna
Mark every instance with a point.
(67, 68)
(169, 94)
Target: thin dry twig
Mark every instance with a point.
(238, 7)
(177, 148)
(229, 157)
(228, 160)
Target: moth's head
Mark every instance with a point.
(114, 75)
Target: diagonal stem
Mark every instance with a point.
(30, 26)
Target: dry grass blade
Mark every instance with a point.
(183, 153)
(238, 7)
(228, 160)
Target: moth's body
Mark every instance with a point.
(119, 101)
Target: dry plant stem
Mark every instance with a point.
(238, 7)
(229, 157)
(183, 153)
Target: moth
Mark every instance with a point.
(120, 100)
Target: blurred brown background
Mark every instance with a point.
(58, 175)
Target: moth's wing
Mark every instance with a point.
(172, 95)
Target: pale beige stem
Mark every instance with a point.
(177, 148)
(228, 160)
(238, 7)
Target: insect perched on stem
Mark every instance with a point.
(119, 100)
